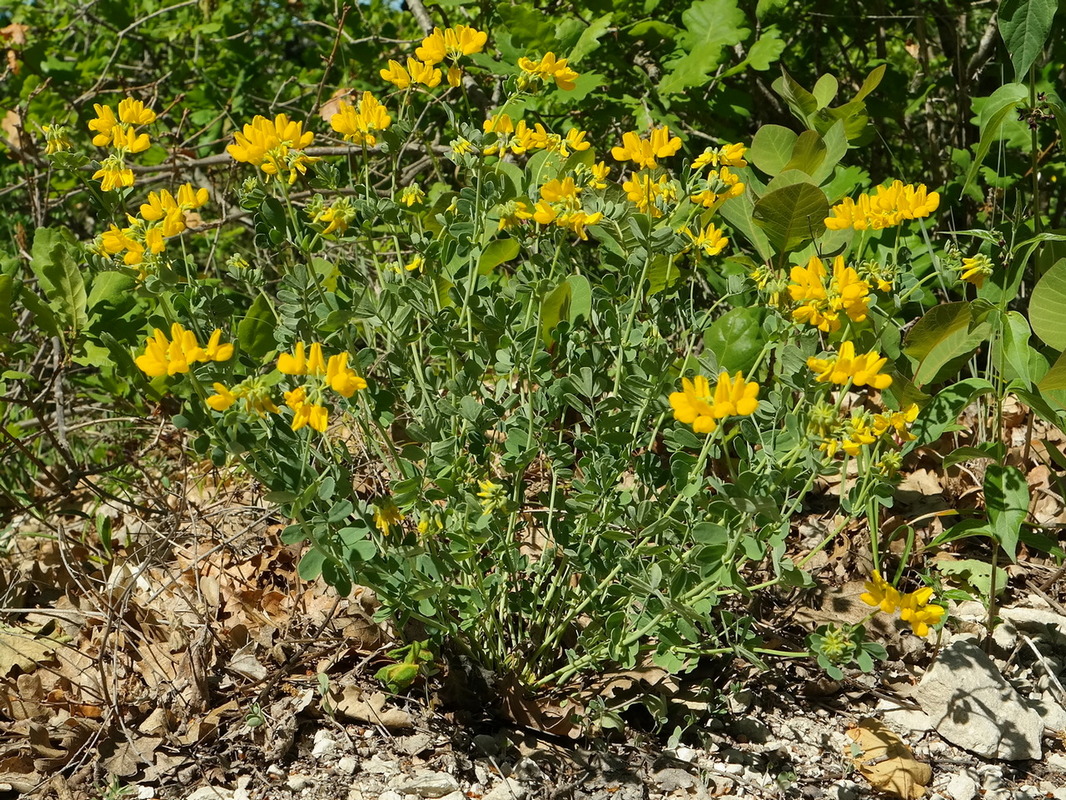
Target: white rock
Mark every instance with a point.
(456, 795)
(145, 793)
(324, 746)
(275, 773)
(390, 795)
(376, 765)
(347, 765)
(507, 789)
(961, 787)
(528, 770)
(298, 782)
(904, 717)
(973, 706)
(686, 754)
(211, 793)
(426, 783)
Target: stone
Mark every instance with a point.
(347, 765)
(1056, 763)
(507, 789)
(686, 754)
(298, 782)
(376, 765)
(211, 793)
(904, 717)
(325, 745)
(275, 773)
(426, 783)
(972, 705)
(487, 745)
(961, 787)
(390, 795)
(671, 779)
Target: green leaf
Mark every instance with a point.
(976, 573)
(553, 310)
(590, 38)
(498, 251)
(873, 80)
(1047, 307)
(792, 215)
(109, 287)
(766, 50)
(802, 102)
(59, 276)
(1014, 357)
(825, 90)
(710, 27)
(995, 113)
(738, 213)
(255, 333)
(42, 312)
(310, 566)
(945, 335)
(736, 338)
(943, 411)
(1055, 378)
(580, 297)
(771, 148)
(1025, 26)
(7, 305)
(1007, 501)
(808, 153)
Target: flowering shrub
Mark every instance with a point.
(486, 397)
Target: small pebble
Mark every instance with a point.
(347, 765)
(298, 782)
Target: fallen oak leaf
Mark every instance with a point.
(886, 762)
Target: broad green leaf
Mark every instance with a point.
(825, 90)
(255, 333)
(873, 80)
(802, 102)
(662, 274)
(499, 251)
(736, 338)
(1047, 307)
(710, 27)
(310, 567)
(7, 305)
(553, 310)
(766, 50)
(1025, 26)
(836, 145)
(1007, 502)
(771, 148)
(994, 114)
(108, 287)
(42, 312)
(1015, 356)
(808, 153)
(792, 215)
(580, 297)
(976, 573)
(738, 213)
(946, 334)
(59, 276)
(942, 413)
(590, 38)
(1055, 378)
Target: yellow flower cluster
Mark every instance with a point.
(709, 240)
(334, 218)
(417, 72)
(887, 207)
(357, 125)
(975, 269)
(644, 152)
(545, 71)
(861, 370)
(120, 134)
(254, 393)
(695, 405)
(162, 217)
(914, 607)
(306, 399)
(387, 515)
(728, 155)
(719, 186)
(651, 196)
(864, 428)
(164, 356)
(821, 301)
(274, 146)
(560, 205)
(450, 44)
(520, 138)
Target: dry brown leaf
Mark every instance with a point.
(15, 33)
(351, 703)
(129, 756)
(22, 650)
(333, 105)
(886, 762)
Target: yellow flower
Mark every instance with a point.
(396, 75)
(296, 363)
(358, 125)
(164, 356)
(267, 144)
(898, 421)
(57, 139)
(729, 155)
(415, 264)
(863, 370)
(549, 68)
(696, 406)
(914, 610)
(880, 594)
(103, 124)
(821, 304)
(412, 196)
(644, 152)
(134, 112)
(336, 218)
(453, 43)
(113, 174)
(650, 196)
(717, 188)
(306, 412)
(599, 172)
(856, 433)
(222, 399)
(560, 191)
(888, 206)
(975, 269)
(386, 515)
(254, 394)
(341, 378)
(577, 221)
(129, 141)
(493, 496)
(424, 73)
(189, 198)
(455, 76)
(710, 239)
